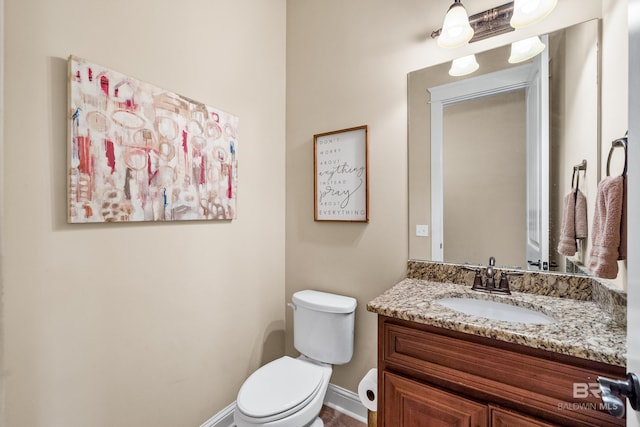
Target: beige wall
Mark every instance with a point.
(346, 66)
(139, 324)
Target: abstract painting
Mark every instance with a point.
(141, 153)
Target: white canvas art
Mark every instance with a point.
(141, 153)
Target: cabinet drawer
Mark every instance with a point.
(528, 380)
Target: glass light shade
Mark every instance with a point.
(456, 30)
(525, 49)
(463, 66)
(528, 12)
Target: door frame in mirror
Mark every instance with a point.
(527, 76)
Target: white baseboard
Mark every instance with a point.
(338, 398)
(223, 418)
(345, 401)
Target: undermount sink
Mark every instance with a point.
(495, 310)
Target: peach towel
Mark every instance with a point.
(607, 220)
(574, 223)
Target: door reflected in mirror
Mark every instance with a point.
(484, 201)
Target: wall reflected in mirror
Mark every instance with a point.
(484, 180)
(484, 163)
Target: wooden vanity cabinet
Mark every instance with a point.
(429, 376)
(412, 403)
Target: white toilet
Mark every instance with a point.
(289, 392)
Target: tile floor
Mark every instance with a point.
(333, 418)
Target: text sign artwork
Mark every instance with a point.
(341, 176)
(141, 153)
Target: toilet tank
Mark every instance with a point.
(323, 326)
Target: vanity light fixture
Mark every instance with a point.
(491, 22)
(525, 49)
(528, 12)
(456, 30)
(463, 66)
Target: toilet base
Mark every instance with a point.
(317, 423)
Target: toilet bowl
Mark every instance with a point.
(289, 392)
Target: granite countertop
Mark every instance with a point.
(582, 328)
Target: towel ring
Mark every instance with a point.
(620, 142)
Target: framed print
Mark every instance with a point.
(341, 180)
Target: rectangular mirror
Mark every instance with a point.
(486, 207)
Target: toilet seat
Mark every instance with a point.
(280, 388)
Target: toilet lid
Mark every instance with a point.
(279, 386)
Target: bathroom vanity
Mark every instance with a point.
(438, 366)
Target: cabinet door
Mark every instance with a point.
(410, 403)
(503, 418)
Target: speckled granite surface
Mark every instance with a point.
(602, 292)
(582, 328)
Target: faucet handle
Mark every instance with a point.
(477, 279)
(503, 286)
(492, 261)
